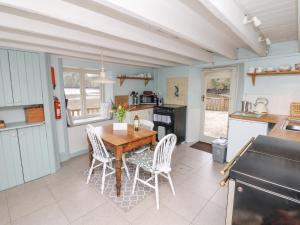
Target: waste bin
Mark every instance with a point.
(219, 150)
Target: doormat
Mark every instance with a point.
(127, 200)
(202, 146)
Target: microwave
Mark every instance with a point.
(148, 99)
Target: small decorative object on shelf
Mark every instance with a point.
(297, 66)
(2, 124)
(120, 114)
(136, 123)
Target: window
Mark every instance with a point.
(84, 95)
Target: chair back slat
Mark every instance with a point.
(163, 153)
(99, 150)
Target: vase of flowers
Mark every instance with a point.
(120, 114)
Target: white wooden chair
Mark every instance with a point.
(103, 156)
(157, 163)
(147, 124)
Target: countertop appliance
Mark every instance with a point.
(135, 98)
(264, 184)
(260, 106)
(170, 119)
(148, 97)
(246, 107)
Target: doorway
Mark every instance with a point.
(218, 101)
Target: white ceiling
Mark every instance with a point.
(279, 17)
(144, 33)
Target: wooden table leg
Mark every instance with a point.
(90, 148)
(118, 165)
(153, 142)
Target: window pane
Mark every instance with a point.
(72, 92)
(93, 94)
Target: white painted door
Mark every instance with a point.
(218, 100)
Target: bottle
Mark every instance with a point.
(136, 123)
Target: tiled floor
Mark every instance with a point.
(64, 198)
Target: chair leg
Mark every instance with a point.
(103, 178)
(135, 178)
(171, 183)
(90, 171)
(156, 191)
(125, 166)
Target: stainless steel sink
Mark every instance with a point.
(293, 127)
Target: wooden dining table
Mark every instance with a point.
(121, 141)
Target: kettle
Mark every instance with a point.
(260, 106)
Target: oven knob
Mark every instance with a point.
(240, 189)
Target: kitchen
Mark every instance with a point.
(64, 76)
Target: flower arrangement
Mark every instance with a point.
(120, 112)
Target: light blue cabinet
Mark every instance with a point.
(10, 161)
(25, 74)
(34, 152)
(6, 95)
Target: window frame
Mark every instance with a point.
(82, 73)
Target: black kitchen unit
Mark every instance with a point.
(264, 185)
(170, 119)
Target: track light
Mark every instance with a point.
(256, 22)
(267, 40)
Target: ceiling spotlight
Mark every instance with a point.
(267, 40)
(256, 22)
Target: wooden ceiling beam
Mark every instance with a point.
(79, 16)
(35, 40)
(18, 23)
(173, 18)
(72, 54)
(232, 16)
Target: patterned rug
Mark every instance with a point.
(127, 200)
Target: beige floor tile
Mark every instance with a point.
(64, 173)
(4, 213)
(185, 203)
(80, 203)
(26, 188)
(201, 186)
(211, 214)
(220, 198)
(78, 164)
(49, 215)
(68, 187)
(163, 216)
(181, 168)
(103, 215)
(21, 205)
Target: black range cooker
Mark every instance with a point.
(264, 185)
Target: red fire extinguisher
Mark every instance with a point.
(57, 109)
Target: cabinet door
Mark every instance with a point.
(25, 77)
(34, 152)
(240, 132)
(10, 162)
(6, 95)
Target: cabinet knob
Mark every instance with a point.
(21, 133)
(13, 134)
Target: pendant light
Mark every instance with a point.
(102, 79)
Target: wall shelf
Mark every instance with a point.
(145, 79)
(275, 73)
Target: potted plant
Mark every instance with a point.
(120, 114)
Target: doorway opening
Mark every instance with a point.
(218, 99)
